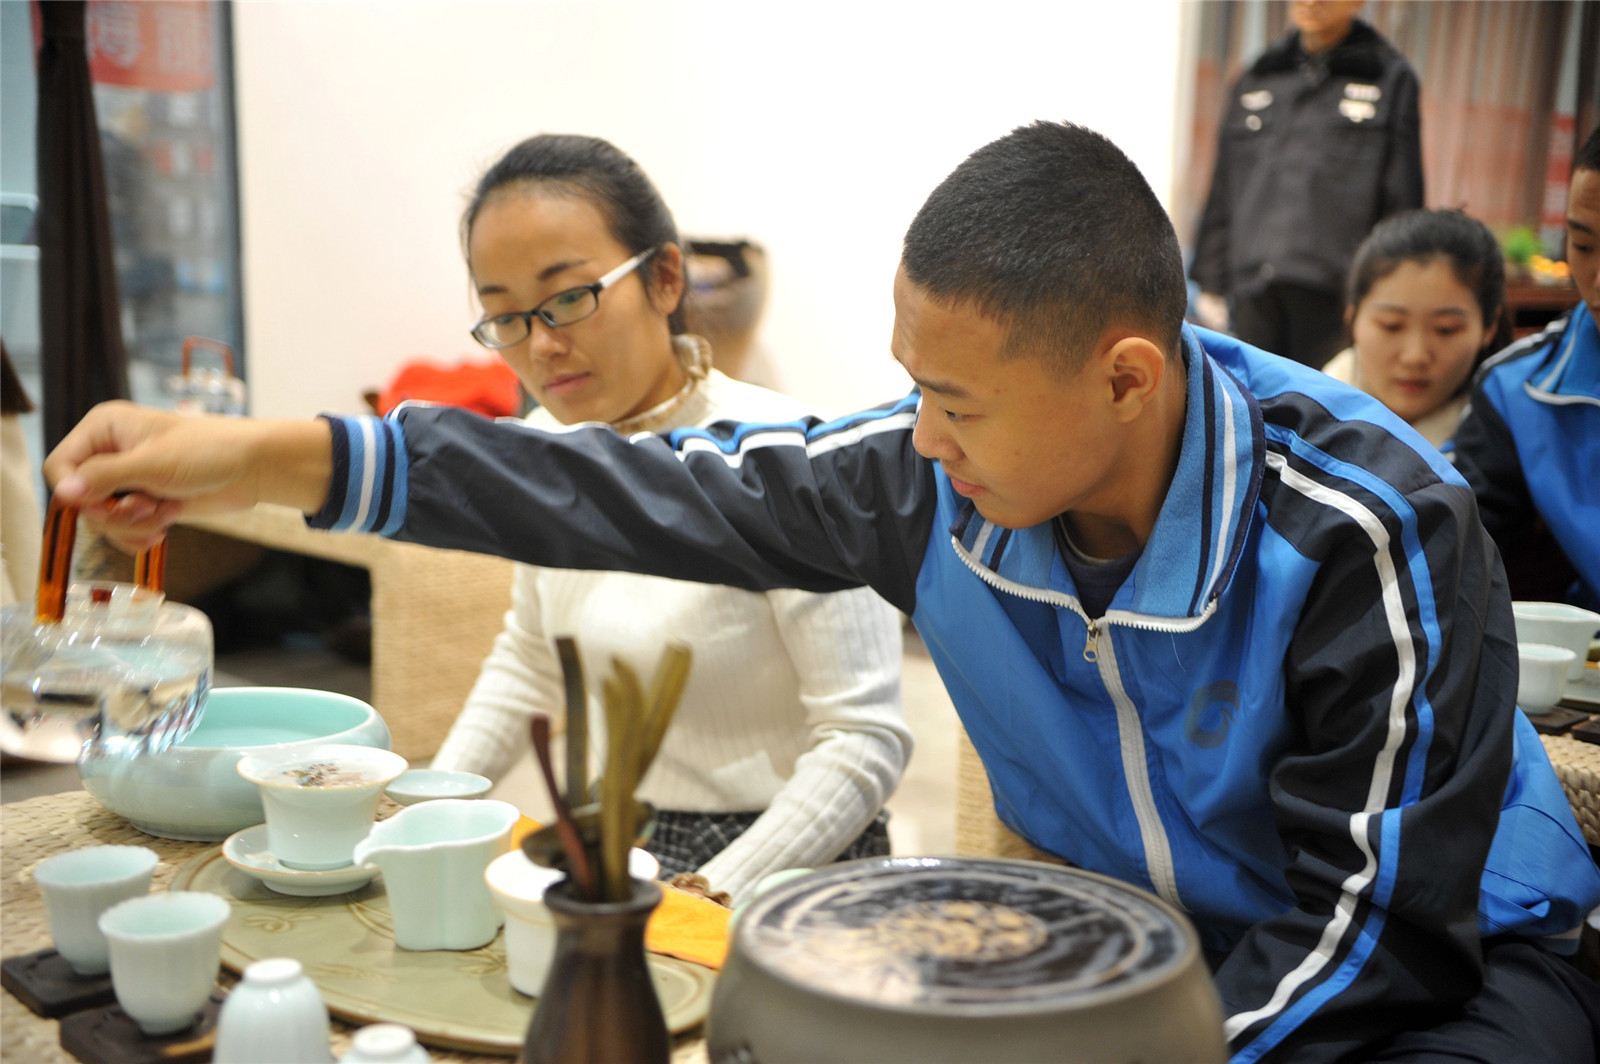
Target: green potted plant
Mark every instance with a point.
(1519, 244)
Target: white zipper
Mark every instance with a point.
(1130, 730)
(1126, 618)
(1130, 739)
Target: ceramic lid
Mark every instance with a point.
(964, 933)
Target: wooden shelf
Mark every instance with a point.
(1533, 306)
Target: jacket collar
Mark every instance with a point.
(1570, 372)
(1199, 533)
(1359, 55)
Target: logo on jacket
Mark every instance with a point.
(1356, 91)
(1259, 100)
(1211, 713)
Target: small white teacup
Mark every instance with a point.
(165, 952)
(80, 885)
(1559, 625)
(1541, 676)
(518, 886)
(320, 802)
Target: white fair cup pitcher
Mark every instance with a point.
(433, 856)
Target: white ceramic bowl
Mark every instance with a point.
(1558, 625)
(1541, 676)
(427, 784)
(518, 886)
(193, 789)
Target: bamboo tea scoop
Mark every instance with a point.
(571, 839)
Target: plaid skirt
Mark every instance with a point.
(684, 841)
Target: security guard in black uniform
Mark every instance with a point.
(1321, 140)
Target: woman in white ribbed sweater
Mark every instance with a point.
(790, 735)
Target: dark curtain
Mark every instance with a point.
(83, 360)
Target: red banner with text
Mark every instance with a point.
(157, 45)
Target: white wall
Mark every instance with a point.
(817, 129)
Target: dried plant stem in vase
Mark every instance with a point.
(599, 1002)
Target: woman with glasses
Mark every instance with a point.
(790, 734)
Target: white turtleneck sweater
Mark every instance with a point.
(793, 700)
(1437, 426)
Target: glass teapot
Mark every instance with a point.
(100, 669)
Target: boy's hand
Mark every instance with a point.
(695, 883)
(132, 471)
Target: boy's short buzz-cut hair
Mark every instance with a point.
(1588, 157)
(1053, 232)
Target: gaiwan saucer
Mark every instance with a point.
(247, 851)
(425, 784)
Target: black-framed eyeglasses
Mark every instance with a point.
(563, 308)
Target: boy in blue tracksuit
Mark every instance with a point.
(1530, 442)
(1218, 625)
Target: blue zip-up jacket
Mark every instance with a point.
(1295, 721)
(1529, 444)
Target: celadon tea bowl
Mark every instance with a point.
(193, 790)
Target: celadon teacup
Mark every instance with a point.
(433, 856)
(165, 952)
(81, 884)
(1541, 676)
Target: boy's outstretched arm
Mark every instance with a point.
(133, 470)
(795, 505)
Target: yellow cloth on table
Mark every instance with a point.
(684, 925)
(688, 927)
(524, 827)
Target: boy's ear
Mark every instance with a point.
(1136, 367)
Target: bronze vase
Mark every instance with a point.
(599, 1004)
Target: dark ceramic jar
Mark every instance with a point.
(599, 1004)
(926, 960)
